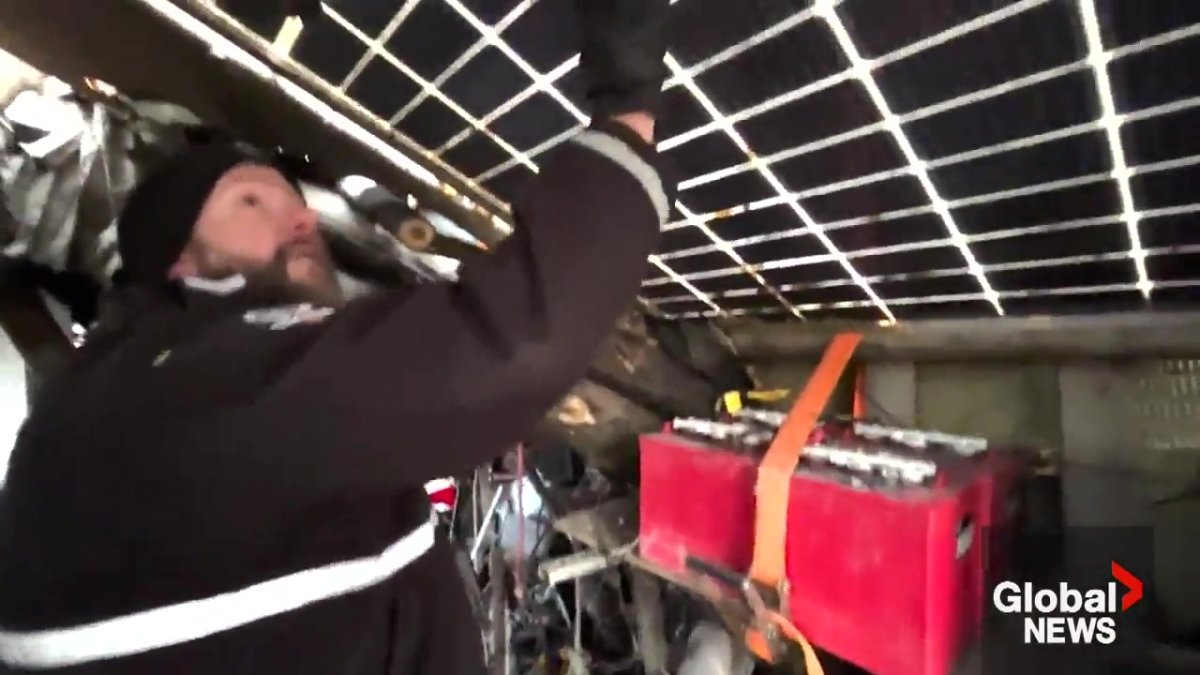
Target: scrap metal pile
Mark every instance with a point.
(548, 603)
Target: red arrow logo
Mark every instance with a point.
(1131, 582)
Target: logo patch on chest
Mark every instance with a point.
(286, 316)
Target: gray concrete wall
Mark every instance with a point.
(891, 391)
(1007, 403)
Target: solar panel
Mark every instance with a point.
(845, 158)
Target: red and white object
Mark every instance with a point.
(442, 494)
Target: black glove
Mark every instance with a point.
(624, 42)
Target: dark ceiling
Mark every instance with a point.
(910, 159)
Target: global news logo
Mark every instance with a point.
(1067, 615)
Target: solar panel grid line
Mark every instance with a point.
(1110, 256)
(694, 71)
(1081, 223)
(733, 51)
(784, 263)
(1098, 59)
(1167, 211)
(781, 155)
(1019, 265)
(1028, 190)
(524, 95)
(847, 75)
(863, 74)
(1007, 87)
(496, 40)
(1163, 109)
(535, 151)
(707, 104)
(973, 200)
(1110, 122)
(674, 276)
(953, 103)
(378, 43)
(777, 101)
(941, 162)
(828, 283)
(826, 7)
(249, 59)
(1016, 144)
(829, 81)
(957, 158)
(461, 62)
(956, 31)
(540, 83)
(1044, 228)
(1098, 289)
(786, 234)
(1164, 165)
(722, 246)
(882, 217)
(830, 188)
(424, 84)
(1160, 40)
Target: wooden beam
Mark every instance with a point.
(1146, 334)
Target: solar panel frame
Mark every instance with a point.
(929, 153)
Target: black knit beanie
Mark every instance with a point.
(156, 222)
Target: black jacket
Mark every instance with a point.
(218, 447)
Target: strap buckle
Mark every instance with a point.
(763, 602)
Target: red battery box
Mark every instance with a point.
(1001, 475)
(889, 579)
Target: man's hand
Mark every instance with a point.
(642, 124)
(624, 42)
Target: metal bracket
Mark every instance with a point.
(575, 566)
(760, 600)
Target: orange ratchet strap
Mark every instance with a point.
(773, 484)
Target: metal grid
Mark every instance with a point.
(1041, 178)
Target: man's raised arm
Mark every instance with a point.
(437, 380)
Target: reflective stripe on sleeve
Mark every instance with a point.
(175, 624)
(616, 150)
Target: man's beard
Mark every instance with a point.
(271, 283)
